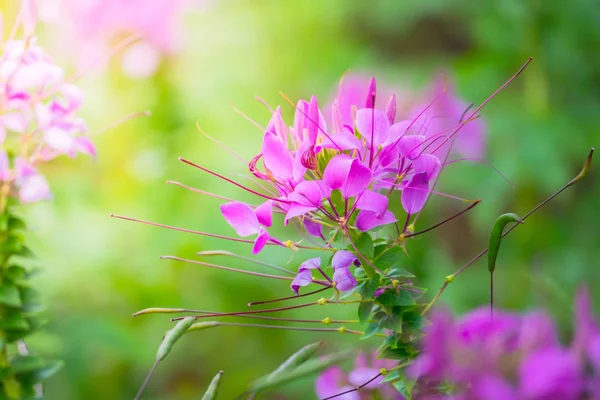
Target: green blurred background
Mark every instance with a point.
(98, 270)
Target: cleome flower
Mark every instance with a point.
(38, 114)
(523, 356)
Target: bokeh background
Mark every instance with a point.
(98, 270)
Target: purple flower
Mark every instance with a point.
(247, 221)
(333, 380)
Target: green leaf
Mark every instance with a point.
(34, 369)
(338, 201)
(211, 392)
(392, 376)
(398, 273)
(364, 310)
(399, 353)
(30, 299)
(413, 319)
(390, 298)
(15, 273)
(393, 340)
(392, 322)
(405, 386)
(13, 320)
(392, 256)
(15, 223)
(9, 295)
(364, 244)
(368, 288)
(372, 329)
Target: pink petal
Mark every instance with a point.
(336, 172)
(295, 210)
(304, 278)
(313, 228)
(277, 127)
(367, 220)
(277, 158)
(372, 201)
(360, 376)
(264, 213)
(415, 194)
(33, 189)
(59, 139)
(410, 145)
(4, 166)
(301, 121)
(371, 93)
(313, 263)
(85, 145)
(342, 259)
(261, 240)
(390, 109)
(241, 218)
(299, 169)
(373, 125)
(427, 163)
(331, 382)
(344, 281)
(307, 193)
(358, 180)
(343, 140)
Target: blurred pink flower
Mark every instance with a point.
(93, 27)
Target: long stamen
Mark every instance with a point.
(232, 181)
(314, 303)
(241, 271)
(325, 321)
(483, 162)
(254, 303)
(169, 182)
(233, 153)
(450, 278)
(341, 329)
(230, 254)
(444, 221)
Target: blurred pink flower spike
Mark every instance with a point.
(247, 221)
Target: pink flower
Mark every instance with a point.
(247, 221)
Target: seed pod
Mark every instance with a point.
(496, 237)
(172, 336)
(297, 359)
(211, 392)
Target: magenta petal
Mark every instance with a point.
(371, 93)
(307, 193)
(359, 178)
(414, 195)
(410, 145)
(390, 109)
(241, 218)
(359, 376)
(316, 122)
(342, 259)
(593, 351)
(313, 263)
(261, 240)
(34, 188)
(367, 220)
(264, 213)
(277, 127)
(301, 121)
(427, 163)
(373, 124)
(343, 140)
(295, 210)
(4, 166)
(313, 228)
(336, 172)
(551, 373)
(277, 157)
(372, 201)
(331, 382)
(492, 387)
(299, 169)
(344, 280)
(304, 278)
(85, 145)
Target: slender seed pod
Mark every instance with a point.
(211, 392)
(297, 359)
(172, 336)
(496, 237)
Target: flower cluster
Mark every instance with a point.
(38, 117)
(93, 27)
(340, 175)
(511, 356)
